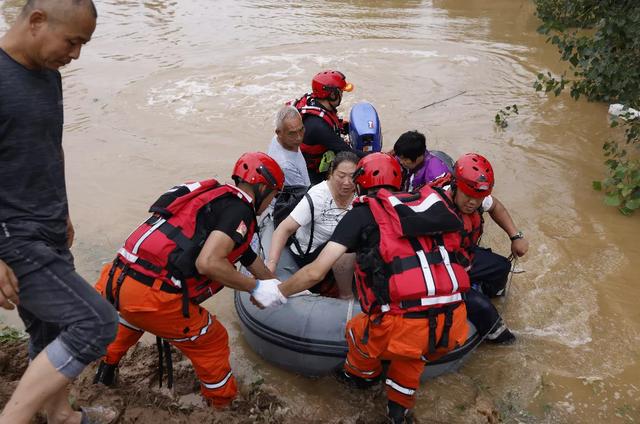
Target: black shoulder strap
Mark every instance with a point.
(295, 239)
(312, 223)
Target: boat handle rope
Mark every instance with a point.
(514, 262)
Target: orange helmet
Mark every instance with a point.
(326, 84)
(474, 175)
(258, 168)
(378, 169)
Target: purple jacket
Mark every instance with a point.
(431, 168)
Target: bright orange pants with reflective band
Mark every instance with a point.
(402, 341)
(200, 337)
(126, 338)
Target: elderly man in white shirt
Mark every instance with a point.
(285, 147)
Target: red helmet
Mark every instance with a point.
(326, 83)
(378, 169)
(474, 175)
(258, 168)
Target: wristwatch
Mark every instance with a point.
(516, 236)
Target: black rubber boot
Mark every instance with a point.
(502, 336)
(353, 380)
(398, 414)
(106, 374)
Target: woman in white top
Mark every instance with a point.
(331, 200)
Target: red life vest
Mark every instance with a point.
(167, 244)
(410, 273)
(308, 105)
(472, 231)
(472, 223)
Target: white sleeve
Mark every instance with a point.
(302, 212)
(487, 202)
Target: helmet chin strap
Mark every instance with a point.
(335, 95)
(259, 196)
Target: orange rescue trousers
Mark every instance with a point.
(200, 337)
(402, 341)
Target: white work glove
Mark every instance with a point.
(267, 294)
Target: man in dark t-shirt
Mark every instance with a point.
(322, 127)
(68, 323)
(407, 303)
(183, 254)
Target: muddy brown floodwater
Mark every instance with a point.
(169, 91)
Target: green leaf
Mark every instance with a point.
(597, 185)
(625, 211)
(612, 200)
(632, 204)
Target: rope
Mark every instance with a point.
(514, 261)
(442, 101)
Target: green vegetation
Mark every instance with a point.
(600, 40)
(626, 412)
(11, 335)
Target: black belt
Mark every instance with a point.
(431, 311)
(147, 280)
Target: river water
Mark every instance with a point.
(169, 91)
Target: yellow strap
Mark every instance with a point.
(325, 163)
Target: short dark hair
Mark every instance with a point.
(34, 4)
(410, 145)
(344, 156)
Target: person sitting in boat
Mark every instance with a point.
(323, 128)
(420, 166)
(182, 255)
(285, 147)
(470, 190)
(313, 221)
(410, 276)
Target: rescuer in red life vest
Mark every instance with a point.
(410, 276)
(470, 190)
(323, 129)
(182, 255)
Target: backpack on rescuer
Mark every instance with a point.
(417, 266)
(167, 244)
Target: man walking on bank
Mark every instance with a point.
(69, 324)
